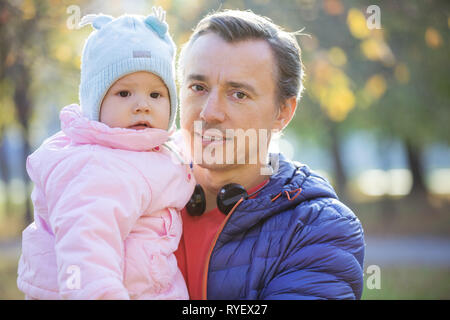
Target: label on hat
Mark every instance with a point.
(141, 54)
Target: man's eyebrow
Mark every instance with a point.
(196, 77)
(242, 85)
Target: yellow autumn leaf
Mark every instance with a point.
(376, 86)
(356, 22)
(322, 71)
(340, 102)
(371, 49)
(28, 9)
(401, 73)
(375, 49)
(63, 53)
(433, 38)
(337, 56)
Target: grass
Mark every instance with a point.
(8, 277)
(416, 283)
(410, 283)
(12, 222)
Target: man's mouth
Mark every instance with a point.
(212, 138)
(141, 125)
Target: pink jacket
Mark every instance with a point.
(106, 214)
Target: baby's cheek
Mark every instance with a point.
(113, 114)
(163, 115)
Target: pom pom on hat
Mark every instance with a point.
(157, 22)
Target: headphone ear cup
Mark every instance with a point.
(229, 195)
(197, 204)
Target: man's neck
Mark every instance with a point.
(212, 180)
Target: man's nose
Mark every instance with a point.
(212, 111)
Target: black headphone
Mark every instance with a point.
(227, 198)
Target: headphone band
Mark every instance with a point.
(227, 197)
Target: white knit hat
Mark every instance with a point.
(121, 46)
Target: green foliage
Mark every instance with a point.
(415, 106)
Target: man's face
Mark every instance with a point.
(228, 86)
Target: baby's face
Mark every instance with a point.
(137, 101)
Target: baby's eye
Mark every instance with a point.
(124, 93)
(155, 95)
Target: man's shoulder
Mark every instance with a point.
(323, 209)
(320, 199)
(321, 223)
(327, 222)
(316, 211)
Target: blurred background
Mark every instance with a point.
(374, 119)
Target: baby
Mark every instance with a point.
(107, 192)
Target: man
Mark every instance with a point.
(292, 238)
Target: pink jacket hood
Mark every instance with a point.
(106, 207)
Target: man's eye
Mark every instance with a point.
(155, 95)
(124, 94)
(197, 87)
(239, 95)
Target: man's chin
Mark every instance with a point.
(215, 166)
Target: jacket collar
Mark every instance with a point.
(293, 183)
(81, 130)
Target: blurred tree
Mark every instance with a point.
(5, 172)
(6, 104)
(405, 93)
(393, 81)
(17, 26)
(28, 30)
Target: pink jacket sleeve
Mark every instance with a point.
(93, 204)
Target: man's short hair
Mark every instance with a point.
(236, 25)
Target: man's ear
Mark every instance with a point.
(285, 113)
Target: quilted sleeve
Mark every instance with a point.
(323, 260)
(93, 204)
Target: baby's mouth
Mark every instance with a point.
(141, 125)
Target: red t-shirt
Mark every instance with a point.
(195, 244)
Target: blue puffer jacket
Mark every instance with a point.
(302, 245)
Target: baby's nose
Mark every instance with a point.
(142, 107)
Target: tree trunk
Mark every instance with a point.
(339, 172)
(5, 172)
(415, 165)
(23, 104)
(26, 180)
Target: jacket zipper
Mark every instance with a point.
(213, 244)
